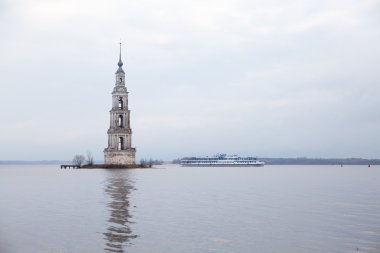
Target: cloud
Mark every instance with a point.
(272, 78)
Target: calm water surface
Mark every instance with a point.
(285, 209)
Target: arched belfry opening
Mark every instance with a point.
(121, 103)
(119, 150)
(120, 144)
(120, 121)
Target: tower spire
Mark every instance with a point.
(120, 63)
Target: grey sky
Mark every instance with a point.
(266, 78)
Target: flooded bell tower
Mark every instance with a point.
(119, 150)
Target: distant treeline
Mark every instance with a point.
(313, 161)
(145, 163)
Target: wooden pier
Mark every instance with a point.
(69, 166)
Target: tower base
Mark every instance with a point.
(120, 157)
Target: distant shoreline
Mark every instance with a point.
(39, 162)
(268, 161)
(320, 161)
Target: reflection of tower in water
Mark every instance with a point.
(118, 233)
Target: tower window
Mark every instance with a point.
(120, 145)
(120, 121)
(121, 103)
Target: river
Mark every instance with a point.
(170, 209)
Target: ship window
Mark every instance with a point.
(120, 121)
(120, 145)
(121, 104)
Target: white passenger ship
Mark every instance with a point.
(222, 160)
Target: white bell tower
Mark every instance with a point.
(119, 150)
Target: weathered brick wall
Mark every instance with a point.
(120, 156)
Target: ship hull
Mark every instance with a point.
(222, 165)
